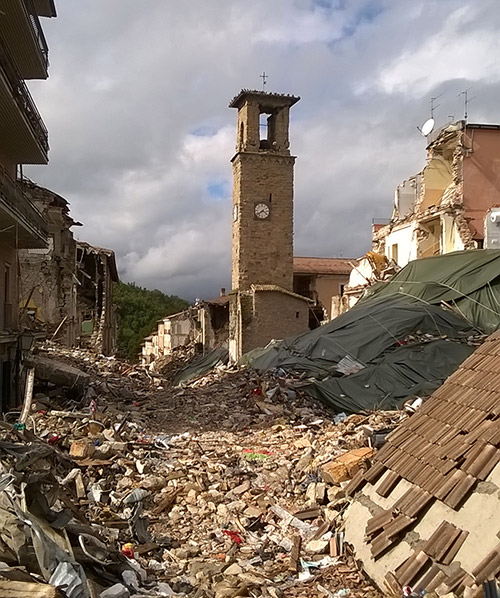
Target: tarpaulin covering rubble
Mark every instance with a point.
(467, 280)
(408, 370)
(379, 353)
(202, 365)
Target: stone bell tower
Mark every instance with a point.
(262, 191)
(262, 305)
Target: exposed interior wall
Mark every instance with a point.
(450, 236)
(329, 285)
(437, 176)
(322, 289)
(429, 238)
(406, 196)
(400, 244)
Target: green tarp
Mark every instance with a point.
(364, 333)
(467, 280)
(202, 365)
(406, 371)
(447, 297)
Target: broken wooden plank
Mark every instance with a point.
(310, 513)
(24, 589)
(295, 554)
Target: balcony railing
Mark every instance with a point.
(23, 97)
(37, 30)
(12, 194)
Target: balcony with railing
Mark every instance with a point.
(22, 32)
(18, 216)
(21, 96)
(37, 30)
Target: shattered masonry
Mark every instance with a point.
(443, 208)
(67, 288)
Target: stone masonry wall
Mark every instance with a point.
(276, 316)
(263, 249)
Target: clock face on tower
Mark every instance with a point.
(262, 211)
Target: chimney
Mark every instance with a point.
(222, 291)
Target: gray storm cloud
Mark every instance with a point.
(141, 136)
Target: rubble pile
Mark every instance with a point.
(169, 365)
(232, 486)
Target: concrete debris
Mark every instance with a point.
(57, 372)
(144, 489)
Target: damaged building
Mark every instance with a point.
(453, 203)
(66, 288)
(425, 514)
(47, 282)
(204, 325)
(96, 272)
(323, 280)
(23, 140)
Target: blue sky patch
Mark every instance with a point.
(218, 189)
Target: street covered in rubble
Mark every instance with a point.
(121, 483)
(281, 382)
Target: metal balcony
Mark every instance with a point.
(23, 99)
(37, 30)
(19, 217)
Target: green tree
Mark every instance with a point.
(139, 310)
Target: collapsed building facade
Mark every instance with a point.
(97, 318)
(205, 325)
(66, 288)
(453, 203)
(23, 140)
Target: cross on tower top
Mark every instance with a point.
(264, 78)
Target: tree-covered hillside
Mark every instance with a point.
(138, 311)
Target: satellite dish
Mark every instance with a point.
(427, 127)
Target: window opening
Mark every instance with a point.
(263, 127)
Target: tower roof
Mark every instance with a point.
(263, 97)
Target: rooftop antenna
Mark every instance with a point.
(432, 104)
(264, 78)
(467, 101)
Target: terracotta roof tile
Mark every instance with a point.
(323, 265)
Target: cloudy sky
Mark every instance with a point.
(141, 135)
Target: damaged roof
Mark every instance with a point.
(109, 253)
(441, 454)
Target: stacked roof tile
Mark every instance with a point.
(444, 450)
